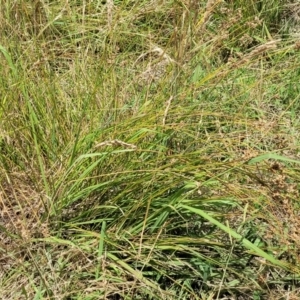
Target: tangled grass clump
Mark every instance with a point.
(149, 150)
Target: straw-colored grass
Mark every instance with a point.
(149, 150)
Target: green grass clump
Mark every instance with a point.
(149, 150)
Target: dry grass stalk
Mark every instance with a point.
(262, 49)
(209, 8)
(110, 6)
(244, 60)
(156, 50)
(116, 143)
(167, 109)
(155, 70)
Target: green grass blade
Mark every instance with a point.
(100, 248)
(257, 251)
(9, 60)
(274, 156)
(137, 274)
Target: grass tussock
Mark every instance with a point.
(149, 150)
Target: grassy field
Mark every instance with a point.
(149, 149)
